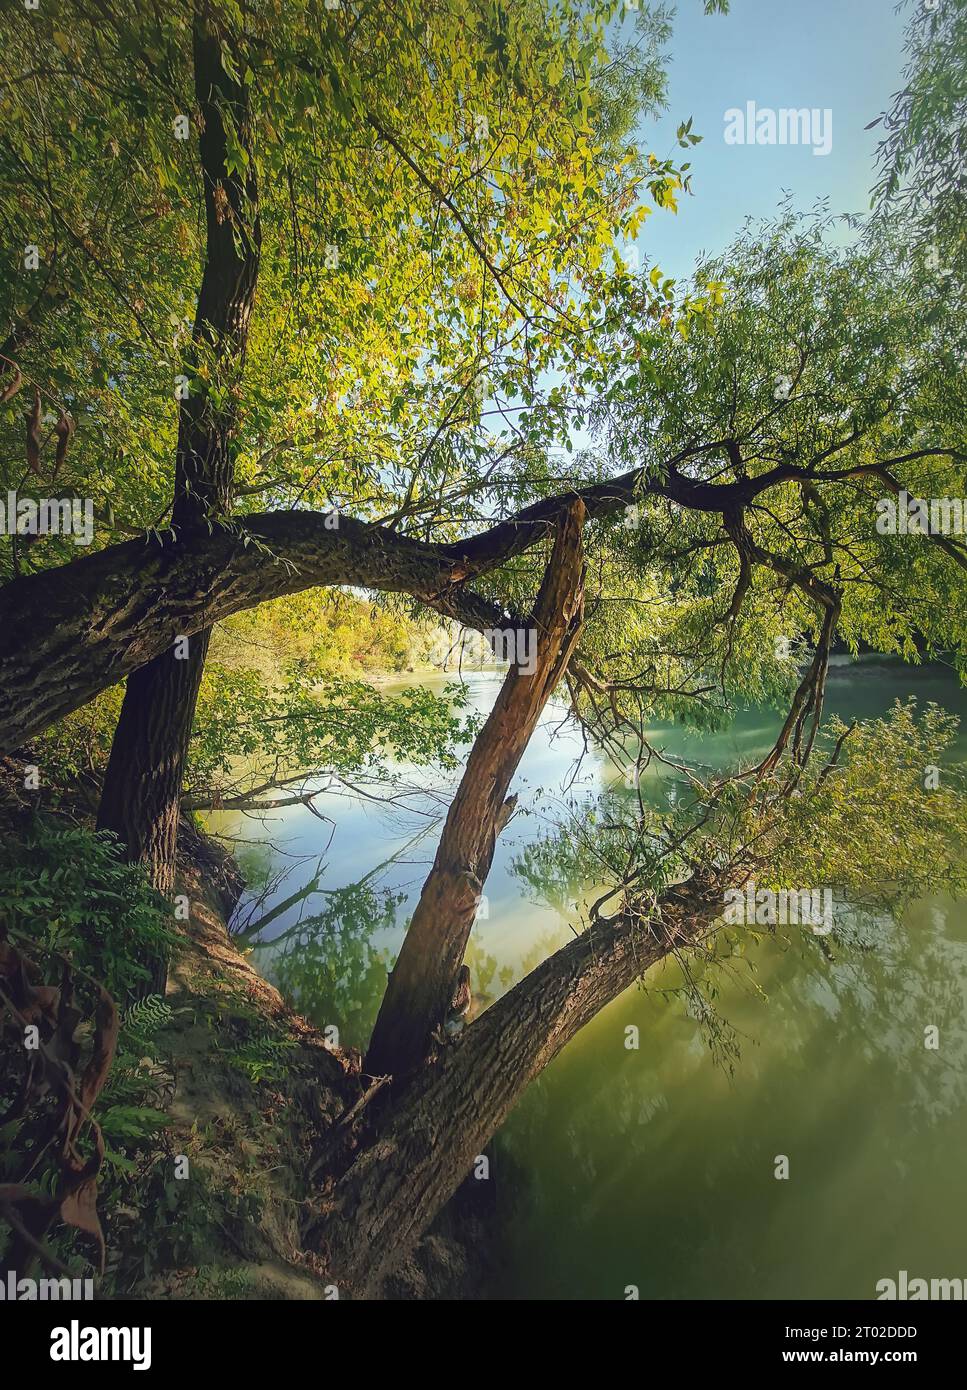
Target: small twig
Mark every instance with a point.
(349, 1116)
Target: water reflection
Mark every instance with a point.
(651, 1166)
(834, 1074)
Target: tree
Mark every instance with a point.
(755, 434)
(519, 180)
(141, 795)
(424, 979)
(923, 152)
(758, 445)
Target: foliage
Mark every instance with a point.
(139, 1085)
(826, 371)
(262, 1058)
(279, 694)
(924, 147)
(877, 824)
(444, 192)
(559, 867)
(450, 196)
(879, 813)
(67, 891)
(303, 725)
(79, 744)
(344, 635)
(327, 966)
(86, 1104)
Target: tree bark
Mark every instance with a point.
(421, 986)
(141, 795)
(72, 631)
(424, 1148)
(143, 782)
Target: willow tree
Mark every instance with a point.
(923, 151)
(751, 430)
(745, 454)
(826, 379)
(383, 213)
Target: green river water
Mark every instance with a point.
(655, 1168)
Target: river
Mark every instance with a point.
(654, 1169)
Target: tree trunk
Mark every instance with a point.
(72, 631)
(143, 783)
(421, 986)
(142, 787)
(424, 1148)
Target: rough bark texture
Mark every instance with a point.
(140, 799)
(79, 628)
(205, 465)
(426, 1146)
(70, 632)
(421, 985)
(145, 772)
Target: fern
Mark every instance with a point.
(143, 1020)
(131, 1122)
(137, 1084)
(125, 1084)
(69, 891)
(261, 1058)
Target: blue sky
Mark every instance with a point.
(845, 55)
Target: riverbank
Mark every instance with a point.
(256, 1133)
(617, 1152)
(222, 1202)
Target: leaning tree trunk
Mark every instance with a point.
(419, 1154)
(143, 783)
(421, 986)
